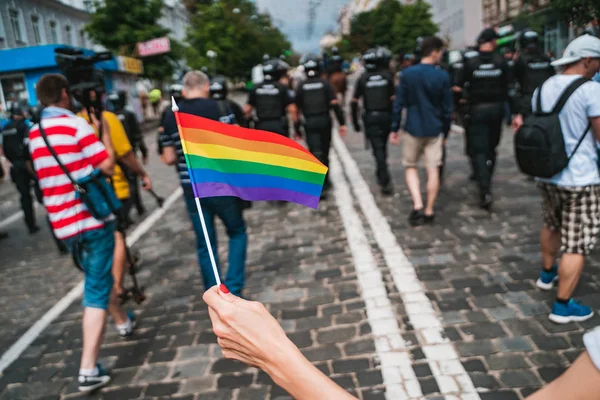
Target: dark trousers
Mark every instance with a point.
(25, 183)
(274, 125)
(377, 128)
(484, 130)
(318, 138)
(134, 192)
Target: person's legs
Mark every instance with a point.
(377, 132)
(414, 187)
(569, 272)
(478, 140)
(433, 157)
(433, 187)
(230, 211)
(21, 179)
(206, 269)
(119, 262)
(549, 244)
(550, 236)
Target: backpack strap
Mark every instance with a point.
(567, 93)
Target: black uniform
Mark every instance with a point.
(134, 134)
(16, 135)
(485, 81)
(313, 98)
(270, 100)
(377, 90)
(532, 68)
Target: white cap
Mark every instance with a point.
(582, 47)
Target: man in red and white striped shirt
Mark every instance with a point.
(91, 241)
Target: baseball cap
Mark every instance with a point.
(487, 35)
(581, 47)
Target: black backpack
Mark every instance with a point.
(539, 142)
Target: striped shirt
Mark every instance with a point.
(80, 151)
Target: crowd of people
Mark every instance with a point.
(66, 148)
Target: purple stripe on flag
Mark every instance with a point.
(216, 189)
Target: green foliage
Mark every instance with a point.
(118, 25)
(392, 25)
(239, 38)
(579, 12)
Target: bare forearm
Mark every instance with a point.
(133, 164)
(302, 380)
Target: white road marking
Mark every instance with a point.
(443, 359)
(38, 327)
(11, 219)
(396, 369)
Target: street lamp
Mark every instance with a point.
(213, 58)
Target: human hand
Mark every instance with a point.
(145, 159)
(517, 122)
(395, 138)
(146, 183)
(246, 331)
(343, 130)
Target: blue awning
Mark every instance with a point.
(40, 57)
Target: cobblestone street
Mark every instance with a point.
(448, 311)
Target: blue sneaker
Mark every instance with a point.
(89, 383)
(573, 311)
(547, 278)
(127, 329)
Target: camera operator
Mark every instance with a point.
(91, 241)
(124, 155)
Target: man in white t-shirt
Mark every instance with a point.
(571, 198)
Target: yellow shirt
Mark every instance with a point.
(121, 145)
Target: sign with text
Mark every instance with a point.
(130, 65)
(154, 47)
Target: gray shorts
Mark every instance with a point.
(592, 344)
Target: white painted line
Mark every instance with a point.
(36, 329)
(443, 359)
(398, 376)
(11, 219)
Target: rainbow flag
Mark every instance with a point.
(228, 160)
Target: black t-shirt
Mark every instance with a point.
(330, 95)
(284, 93)
(206, 108)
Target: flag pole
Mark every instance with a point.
(198, 205)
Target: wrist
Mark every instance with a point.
(284, 362)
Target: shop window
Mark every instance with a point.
(54, 32)
(15, 91)
(36, 24)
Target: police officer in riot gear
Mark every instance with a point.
(270, 100)
(219, 91)
(376, 88)
(175, 93)
(15, 138)
(485, 82)
(532, 68)
(335, 62)
(134, 134)
(315, 98)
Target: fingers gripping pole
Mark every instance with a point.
(198, 205)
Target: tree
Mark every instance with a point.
(119, 25)
(237, 32)
(390, 24)
(414, 21)
(579, 12)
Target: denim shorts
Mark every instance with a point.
(93, 251)
(592, 344)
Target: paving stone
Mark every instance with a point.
(153, 373)
(452, 334)
(488, 301)
(221, 394)
(162, 389)
(336, 335)
(476, 348)
(501, 313)
(359, 347)
(522, 327)
(225, 365)
(547, 359)
(549, 373)
(514, 344)
(234, 381)
(519, 378)
(550, 342)
(322, 353)
(344, 381)
(253, 393)
(483, 330)
(429, 385)
(162, 356)
(350, 365)
(373, 395)
(531, 310)
(123, 393)
(485, 381)
(301, 339)
(499, 395)
(474, 365)
(453, 305)
(369, 378)
(190, 369)
(422, 370)
(476, 316)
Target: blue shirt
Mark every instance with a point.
(206, 108)
(424, 91)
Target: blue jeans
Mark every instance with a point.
(229, 210)
(93, 251)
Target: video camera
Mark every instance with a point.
(86, 82)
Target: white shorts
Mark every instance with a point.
(592, 344)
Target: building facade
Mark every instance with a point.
(459, 21)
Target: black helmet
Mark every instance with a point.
(335, 51)
(487, 35)
(311, 63)
(175, 91)
(528, 38)
(118, 99)
(274, 69)
(377, 58)
(266, 57)
(17, 111)
(218, 87)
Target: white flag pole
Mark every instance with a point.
(198, 205)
